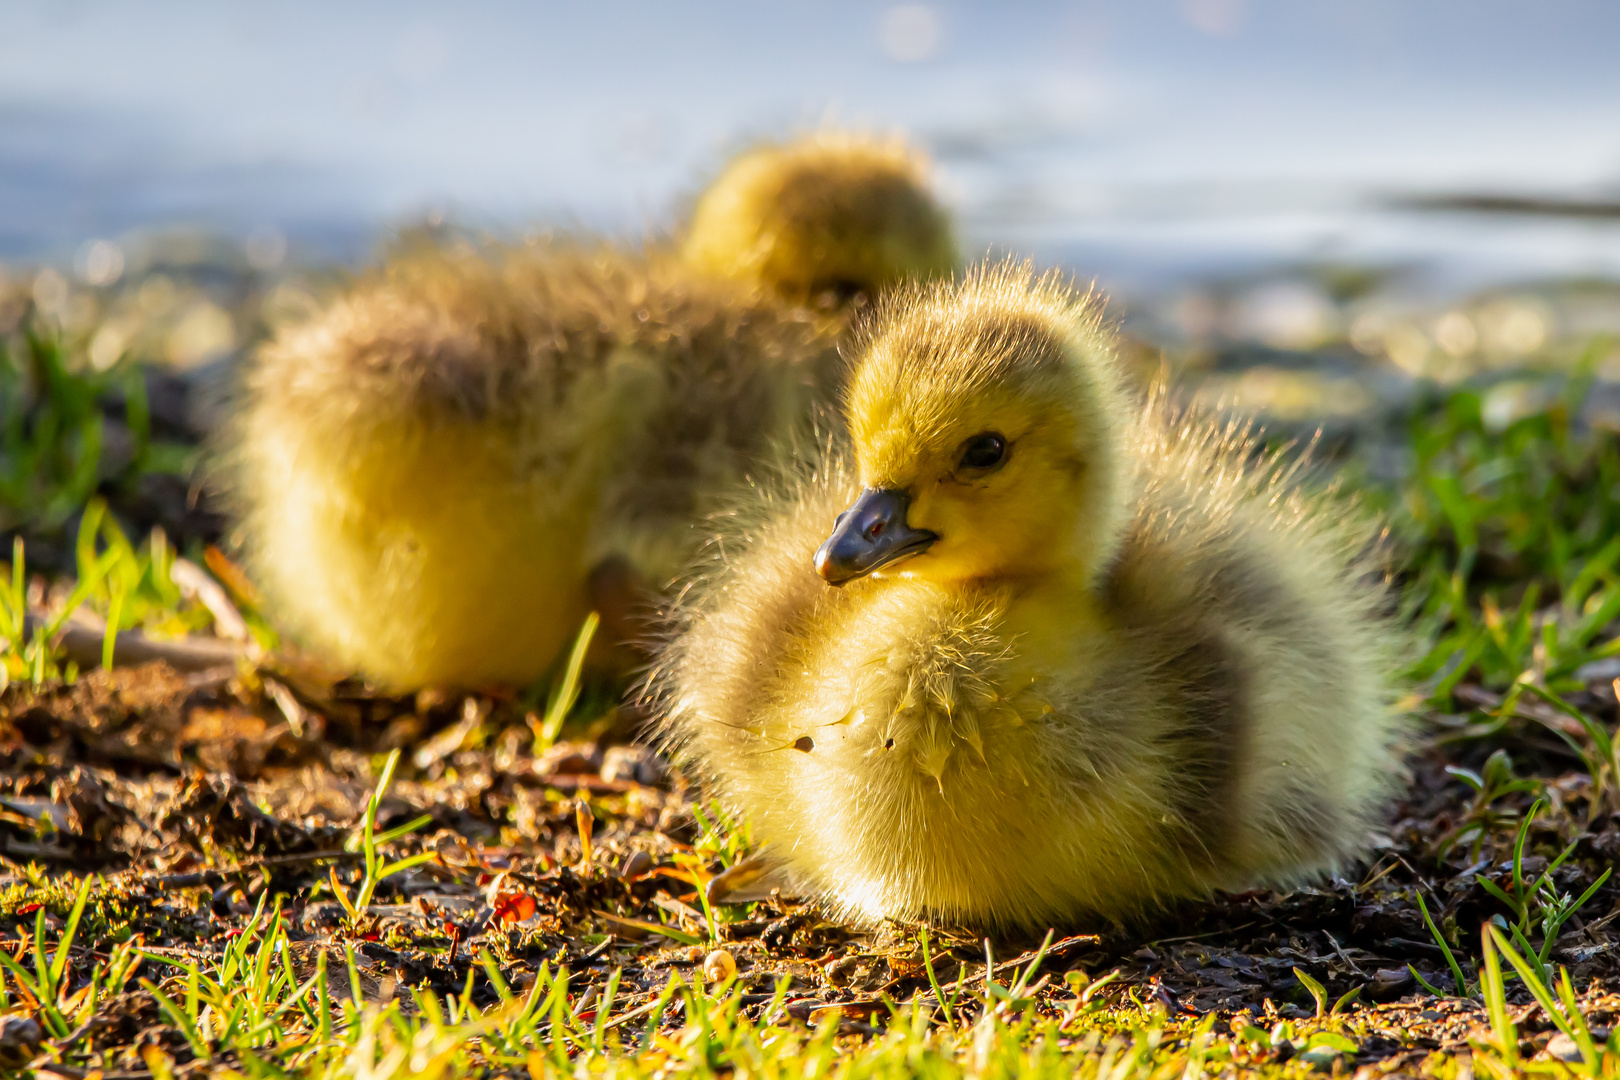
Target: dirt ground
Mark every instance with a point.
(195, 795)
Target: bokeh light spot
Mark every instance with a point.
(99, 262)
(911, 33)
(1217, 18)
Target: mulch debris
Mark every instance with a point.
(196, 795)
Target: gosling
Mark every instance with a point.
(437, 477)
(1028, 654)
(824, 220)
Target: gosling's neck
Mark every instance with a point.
(1086, 533)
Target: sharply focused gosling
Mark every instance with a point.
(441, 474)
(1035, 656)
(834, 213)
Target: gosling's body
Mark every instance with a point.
(1159, 679)
(431, 469)
(433, 475)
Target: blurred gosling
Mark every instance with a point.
(833, 215)
(437, 477)
(1030, 654)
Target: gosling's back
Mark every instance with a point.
(426, 472)
(441, 473)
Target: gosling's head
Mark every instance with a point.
(986, 420)
(830, 216)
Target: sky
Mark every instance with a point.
(1137, 138)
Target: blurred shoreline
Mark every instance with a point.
(1344, 348)
(1323, 215)
(1456, 147)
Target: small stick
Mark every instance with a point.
(216, 878)
(297, 716)
(195, 584)
(583, 820)
(83, 645)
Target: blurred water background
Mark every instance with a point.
(1392, 190)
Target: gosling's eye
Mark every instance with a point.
(984, 451)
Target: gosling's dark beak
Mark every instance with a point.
(870, 534)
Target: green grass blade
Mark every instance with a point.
(1533, 981)
(181, 1019)
(1493, 991)
(933, 980)
(109, 639)
(1426, 984)
(493, 971)
(388, 836)
(1460, 984)
(388, 870)
(1580, 1030)
(60, 961)
(1318, 991)
(567, 692)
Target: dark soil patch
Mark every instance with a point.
(197, 795)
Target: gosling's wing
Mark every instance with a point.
(467, 416)
(1263, 602)
(733, 376)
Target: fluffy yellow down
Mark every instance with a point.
(834, 213)
(1136, 663)
(429, 475)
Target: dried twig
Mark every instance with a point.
(82, 645)
(196, 585)
(216, 878)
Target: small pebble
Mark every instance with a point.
(1389, 981)
(1320, 1058)
(838, 968)
(569, 759)
(1563, 1048)
(19, 1042)
(634, 763)
(719, 966)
